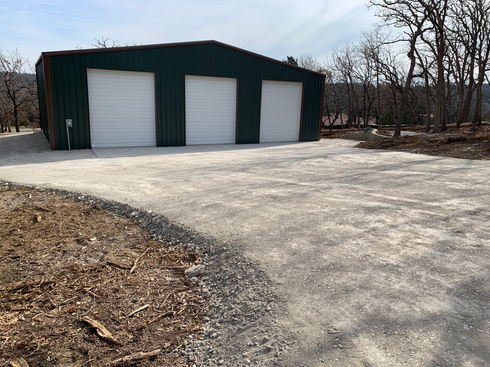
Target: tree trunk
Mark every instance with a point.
(478, 106)
(395, 107)
(467, 103)
(349, 107)
(356, 115)
(16, 118)
(460, 105)
(481, 78)
(403, 104)
(370, 105)
(412, 115)
(328, 115)
(333, 121)
(427, 102)
(364, 115)
(449, 101)
(378, 111)
(440, 105)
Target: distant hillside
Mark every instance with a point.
(30, 77)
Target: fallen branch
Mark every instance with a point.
(5, 342)
(121, 266)
(65, 302)
(26, 284)
(91, 293)
(137, 310)
(18, 309)
(161, 316)
(90, 360)
(138, 259)
(101, 330)
(136, 356)
(176, 348)
(165, 300)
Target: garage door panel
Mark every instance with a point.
(135, 133)
(280, 112)
(122, 108)
(210, 105)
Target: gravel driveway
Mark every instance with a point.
(364, 258)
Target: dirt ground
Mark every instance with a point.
(468, 142)
(82, 287)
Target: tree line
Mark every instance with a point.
(427, 62)
(18, 92)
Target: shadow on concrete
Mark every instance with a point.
(18, 149)
(191, 149)
(15, 144)
(457, 334)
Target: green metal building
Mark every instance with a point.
(173, 95)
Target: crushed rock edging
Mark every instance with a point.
(240, 328)
(370, 135)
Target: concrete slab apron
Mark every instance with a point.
(381, 257)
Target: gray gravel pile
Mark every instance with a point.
(240, 328)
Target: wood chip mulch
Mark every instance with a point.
(82, 287)
(467, 142)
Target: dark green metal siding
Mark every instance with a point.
(170, 65)
(41, 90)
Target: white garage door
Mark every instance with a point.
(280, 112)
(122, 108)
(210, 110)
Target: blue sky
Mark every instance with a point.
(274, 28)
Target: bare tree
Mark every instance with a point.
(329, 89)
(436, 12)
(448, 47)
(18, 85)
(467, 52)
(373, 46)
(411, 19)
(378, 64)
(5, 110)
(311, 63)
(426, 65)
(104, 43)
(343, 62)
(462, 38)
(479, 13)
(335, 97)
